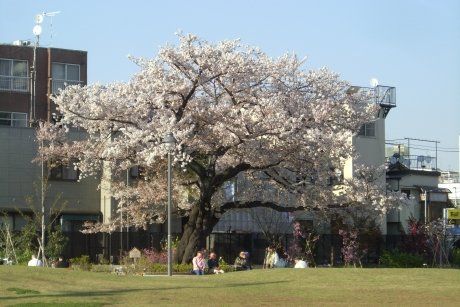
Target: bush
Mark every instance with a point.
(57, 242)
(456, 256)
(397, 259)
(102, 268)
(81, 263)
(144, 266)
(225, 266)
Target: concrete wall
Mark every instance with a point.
(370, 150)
(18, 175)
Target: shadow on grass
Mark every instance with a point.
(83, 304)
(22, 291)
(122, 291)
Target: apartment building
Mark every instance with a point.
(24, 99)
(24, 91)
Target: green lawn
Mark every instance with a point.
(289, 287)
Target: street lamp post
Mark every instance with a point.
(170, 142)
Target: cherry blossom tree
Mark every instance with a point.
(235, 113)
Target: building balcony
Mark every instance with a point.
(413, 162)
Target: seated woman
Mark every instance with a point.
(242, 262)
(198, 264)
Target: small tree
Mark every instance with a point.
(40, 223)
(273, 224)
(351, 252)
(416, 240)
(438, 242)
(303, 243)
(57, 242)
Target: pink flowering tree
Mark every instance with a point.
(235, 113)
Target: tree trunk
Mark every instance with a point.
(199, 225)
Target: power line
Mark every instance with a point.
(421, 147)
(425, 146)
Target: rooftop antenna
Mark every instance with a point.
(39, 19)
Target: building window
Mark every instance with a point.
(63, 172)
(64, 74)
(137, 172)
(14, 75)
(406, 191)
(13, 119)
(367, 129)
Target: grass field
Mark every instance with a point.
(23, 286)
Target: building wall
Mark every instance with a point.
(370, 149)
(20, 178)
(454, 194)
(14, 101)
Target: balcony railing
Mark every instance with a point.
(14, 83)
(414, 162)
(61, 84)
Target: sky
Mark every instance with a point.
(413, 45)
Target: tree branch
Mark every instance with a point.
(259, 204)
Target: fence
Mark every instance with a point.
(226, 245)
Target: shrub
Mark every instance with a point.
(81, 263)
(102, 268)
(225, 266)
(155, 256)
(456, 256)
(397, 259)
(56, 244)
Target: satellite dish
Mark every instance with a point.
(37, 30)
(38, 19)
(374, 82)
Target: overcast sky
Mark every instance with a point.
(412, 45)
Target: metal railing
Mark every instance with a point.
(414, 162)
(14, 83)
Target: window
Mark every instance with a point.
(367, 129)
(13, 119)
(64, 74)
(63, 172)
(137, 172)
(14, 75)
(406, 191)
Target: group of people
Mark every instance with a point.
(201, 263)
(59, 263)
(274, 260)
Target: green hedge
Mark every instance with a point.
(456, 256)
(397, 259)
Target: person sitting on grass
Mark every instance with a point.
(213, 264)
(270, 257)
(198, 264)
(34, 261)
(242, 262)
(300, 264)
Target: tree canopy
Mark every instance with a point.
(235, 113)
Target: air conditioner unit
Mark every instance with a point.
(20, 42)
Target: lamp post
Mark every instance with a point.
(170, 142)
(37, 30)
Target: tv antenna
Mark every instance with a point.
(40, 17)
